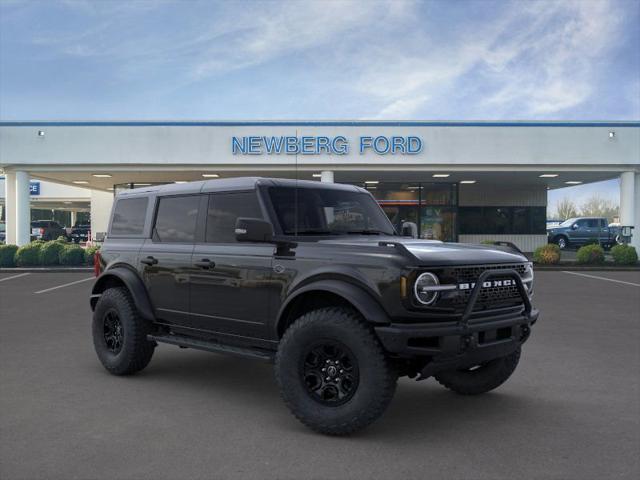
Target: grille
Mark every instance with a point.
(490, 297)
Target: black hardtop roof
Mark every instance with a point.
(231, 184)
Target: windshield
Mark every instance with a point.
(326, 211)
(568, 222)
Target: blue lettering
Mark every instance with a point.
(340, 145)
(237, 147)
(397, 144)
(254, 146)
(365, 142)
(414, 145)
(273, 144)
(376, 145)
(291, 145)
(323, 144)
(308, 145)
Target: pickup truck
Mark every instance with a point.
(579, 231)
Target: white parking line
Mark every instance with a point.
(13, 276)
(602, 278)
(65, 285)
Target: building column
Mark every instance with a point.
(326, 176)
(101, 204)
(22, 208)
(10, 206)
(629, 199)
(74, 215)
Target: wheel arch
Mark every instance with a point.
(120, 276)
(324, 293)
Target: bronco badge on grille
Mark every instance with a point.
(487, 284)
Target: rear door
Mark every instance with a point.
(230, 292)
(165, 258)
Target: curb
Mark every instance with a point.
(46, 269)
(585, 268)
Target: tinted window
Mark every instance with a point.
(582, 223)
(176, 219)
(593, 223)
(224, 209)
(128, 216)
(502, 220)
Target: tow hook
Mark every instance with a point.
(468, 342)
(524, 333)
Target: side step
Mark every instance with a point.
(198, 344)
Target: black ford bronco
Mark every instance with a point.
(313, 277)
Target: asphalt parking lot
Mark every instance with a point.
(571, 410)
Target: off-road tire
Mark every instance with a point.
(482, 379)
(136, 351)
(376, 376)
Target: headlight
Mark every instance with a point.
(426, 288)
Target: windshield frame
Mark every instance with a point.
(387, 228)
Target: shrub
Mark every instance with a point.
(62, 239)
(72, 255)
(8, 255)
(590, 254)
(29, 255)
(624, 255)
(89, 253)
(547, 254)
(50, 253)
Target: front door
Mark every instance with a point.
(230, 292)
(166, 257)
(580, 232)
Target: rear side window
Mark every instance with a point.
(224, 210)
(176, 219)
(128, 216)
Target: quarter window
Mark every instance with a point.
(128, 216)
(224, 209)
(176, 219)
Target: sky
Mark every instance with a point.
(387, 60)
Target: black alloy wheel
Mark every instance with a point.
(330, 373)
(113, 332)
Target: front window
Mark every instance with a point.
(568, 222)
(328, 211)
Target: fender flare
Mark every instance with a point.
(134, 284)
(363, 301)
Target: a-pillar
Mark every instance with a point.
(10, 207)
(630, 204)
(326, 176)
(22, 208)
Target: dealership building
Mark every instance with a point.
(452, 181)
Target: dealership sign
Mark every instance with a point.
(34, 188)
(312, 145)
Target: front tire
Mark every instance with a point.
(120, 333)
(482, 378)
(332, 372)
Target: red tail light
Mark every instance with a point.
(97, 264)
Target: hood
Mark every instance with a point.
(436, 253)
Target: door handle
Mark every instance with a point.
(149, 260)
(205, 263)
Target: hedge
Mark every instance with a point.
(50, 253)
(547, 254)
(8, 255)
(590, 254)
(29, 255)
(624, 255)
(89, 253)
(72, 255)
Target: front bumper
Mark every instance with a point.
(464, 343)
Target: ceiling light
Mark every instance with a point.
(612, 134)
(371, 188)
(468, 181)
(573, 182)
(440, 175)
(141, 184)
(210, 175)
(179, 181)
(549, 175)
(101, 175)
(372, 182)
(80, 182)
(67, 203)
(317, 175)
(40, 133)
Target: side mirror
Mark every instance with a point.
(253, 230)
(574, 226)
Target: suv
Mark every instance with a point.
(47, 230)
(583, 230)
(313, 277)
(80, 232)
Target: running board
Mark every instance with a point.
(188, 342)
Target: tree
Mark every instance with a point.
(596, 206)
(565, 209)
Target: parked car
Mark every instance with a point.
(312, 277)
(582, 230)
(80, 232)
(47, 230)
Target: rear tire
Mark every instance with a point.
(481, 379)
(562, 242)
(357, 382)
(120, 333)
